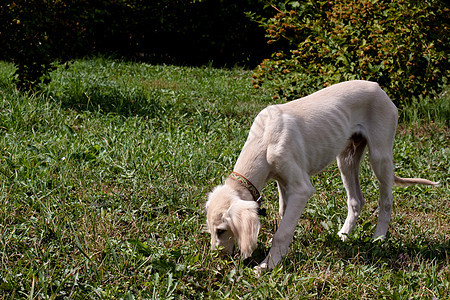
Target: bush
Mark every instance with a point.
(400, 44)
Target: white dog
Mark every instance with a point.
(289, 143)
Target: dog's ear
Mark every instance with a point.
(242, 217)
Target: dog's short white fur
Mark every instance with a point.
(289, 143)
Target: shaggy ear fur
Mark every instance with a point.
(243, 219)
(212, 194)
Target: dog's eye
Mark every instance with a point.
(220, 232)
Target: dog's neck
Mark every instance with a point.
(243, 192)
(253, 166)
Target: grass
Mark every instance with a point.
(104, 174)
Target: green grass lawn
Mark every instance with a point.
(104, 174)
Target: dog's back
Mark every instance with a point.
(355, 102)
(327, 119)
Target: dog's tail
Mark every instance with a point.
(398, 181)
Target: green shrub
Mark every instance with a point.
(400, 44)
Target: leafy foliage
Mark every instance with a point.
(403, 45)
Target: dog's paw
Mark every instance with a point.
(258, 270)
(343, 236)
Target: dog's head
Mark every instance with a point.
(231, 219)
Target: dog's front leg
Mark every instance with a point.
(297, 199)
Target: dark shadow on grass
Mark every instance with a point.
(257, 257)
(114, 100)
(396, 253)
(392, 251)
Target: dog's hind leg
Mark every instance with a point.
(348, 162)
(383, 167)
